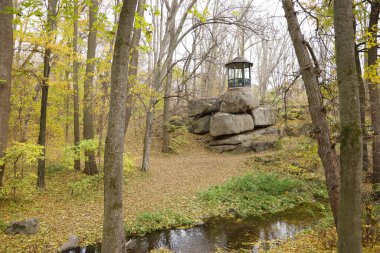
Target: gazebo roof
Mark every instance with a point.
(239, 62)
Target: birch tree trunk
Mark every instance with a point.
(321, 131)
(113, 222)
(50, 27)
(6, 58)
(88, 100)
(349, 219)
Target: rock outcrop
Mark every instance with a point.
(200, 125)
(238, 101)
(226, 123)
(235, 122)
(263, 116)
(201, 107)
(28, 227)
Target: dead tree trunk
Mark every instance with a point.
(321, 131)
(6, 58)
(349, 219)
(113, 222)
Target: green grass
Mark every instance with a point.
(262, 194)
(3, 225)
(151, 221)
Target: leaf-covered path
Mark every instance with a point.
(171, 183)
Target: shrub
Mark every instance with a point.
(20, 180)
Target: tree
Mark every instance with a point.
(76, 84)
(134, 62)
(50, 27)
(161, 65)
(113, 222)
(374, 89)
(349, 219)
(6, 59)
(326, 150)
(88, 100)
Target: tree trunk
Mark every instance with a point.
(6, 58)
(133, 65)
(321, 131)
(76, 86)
(374, 91)
(52, 6)
(349, 219)
(166, 115)
(169, 78)
(113, 222)
(88, 100)
(362, 110)
(148, 136)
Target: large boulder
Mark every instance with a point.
(28, 226)
(201, 107)
(244, 137)
(226, 123)
(238, 101)
(222, 148)
(201, 125)
(263, 116)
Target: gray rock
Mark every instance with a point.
(28, 226)
(238, 101)
(222, 148)
(267, 131)
(201, 125)
(71, 243)
(230, 140)
(263, 116)
(244, 137)
(226, 123)
(201, 107)
(258, 146)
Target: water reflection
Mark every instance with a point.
(225, 233)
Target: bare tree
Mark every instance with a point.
(321, 131)
(161, 59)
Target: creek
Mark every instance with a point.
(226, 233)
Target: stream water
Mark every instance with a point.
(220, 232)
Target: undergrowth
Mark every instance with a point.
(262, 194)
(148, 222)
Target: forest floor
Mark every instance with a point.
(72, 204)
(171, 181)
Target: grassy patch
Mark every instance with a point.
(263, 193)
(3, 225)
(151, 221)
